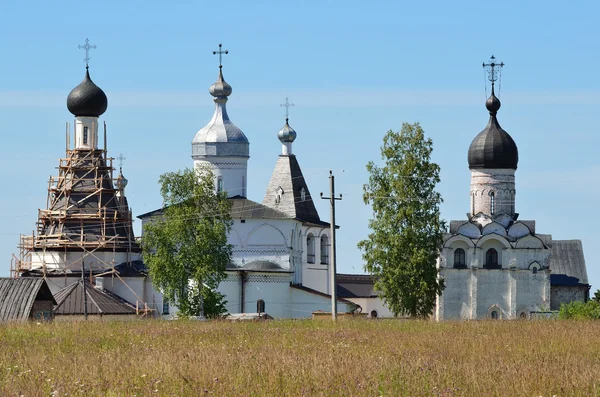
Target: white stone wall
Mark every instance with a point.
(370, 304)
(233, 171)
(566, 294)
(501, 182)
(97, 260)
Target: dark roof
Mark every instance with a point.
(284, 192)
(313, 291)
(242, 208)
(87, 99)
(87, 191)
(18, 294)
(70, 301)
(356, 286)
(493, 147)
(567, 260)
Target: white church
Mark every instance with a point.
(280, 263)
(494, 264)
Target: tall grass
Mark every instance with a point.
(295, 358)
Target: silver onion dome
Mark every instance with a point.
(287, 133)
(220, 88)
(121, 181)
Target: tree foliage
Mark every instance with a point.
(406, 230)
(596, 296)
(185, 248)
(578, 310)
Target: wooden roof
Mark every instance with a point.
(17, 296)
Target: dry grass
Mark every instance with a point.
(277, 358)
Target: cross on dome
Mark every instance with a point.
(220, 52)
(87, 47)
(493, 69)
(287, 105)
(121, 158)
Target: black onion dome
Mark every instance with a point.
(87, 99)
(493, 147)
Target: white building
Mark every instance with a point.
(280, 262)
(495, 265)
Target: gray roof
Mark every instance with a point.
(285, 191)
(355, 286)
(243, 208)
(18, 294)
(70, 301)
(567, 259)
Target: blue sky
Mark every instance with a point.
(353, 70)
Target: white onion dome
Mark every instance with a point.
(287, 133)
(220, 88)
(220, 137)
(87, 99)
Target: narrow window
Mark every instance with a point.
(534, 270)
(165, 308)
(303, 194)
(85, 135)
(473, 204)
(219, 185)
(493, 203)
(310, 249)
(494, 315)
(491, 258)
(459, 257)
(260, 306)
(324, 250)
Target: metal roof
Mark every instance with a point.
(355, 286)
(70, 301)
(18, 294)
(567, 259)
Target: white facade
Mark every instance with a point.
(230, 173)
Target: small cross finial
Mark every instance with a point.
(220, 52)
(121, 158)
(493, 68)
(87, 47)
(287, 105)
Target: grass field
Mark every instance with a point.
(295, 358)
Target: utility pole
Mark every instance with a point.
(332, 265)
(85, 301)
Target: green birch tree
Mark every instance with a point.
(406, 231)
(185, 247)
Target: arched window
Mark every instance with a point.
(459, 257)
(491, 258)
(373, 313)
(310, 248)
(324, 250)
(523, 315)
(494, 315)
(85, 135)
(219, 184)
(303, 194)
(492, 203)
(260, 306)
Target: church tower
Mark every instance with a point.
(87, 223)
(493, 158)
(221, 145)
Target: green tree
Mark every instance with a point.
(406, 230)
(185, 248)
(597, 296)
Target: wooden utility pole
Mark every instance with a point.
(332, 265)
(85, 301)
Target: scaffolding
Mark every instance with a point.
(87, 214)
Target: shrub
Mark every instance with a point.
(578, 310)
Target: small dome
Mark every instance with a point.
(287, 133)
(121, 181)
(87, 99)
(493, 147)
(220, 88)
